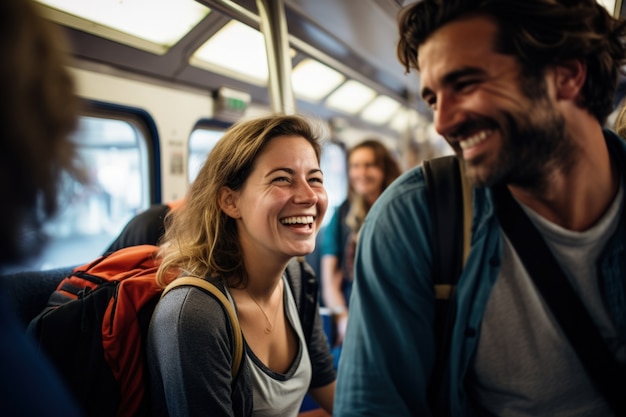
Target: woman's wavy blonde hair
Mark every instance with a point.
(620, 122)
(200, 239)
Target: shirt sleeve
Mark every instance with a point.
(389, 348)
(190, 356)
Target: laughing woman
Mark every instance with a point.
(257, 203)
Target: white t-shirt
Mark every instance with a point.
(524, 366)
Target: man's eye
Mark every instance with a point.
(430, 101)
(465, 85)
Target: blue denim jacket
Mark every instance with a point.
(389, 349)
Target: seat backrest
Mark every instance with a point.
(30, 290)
(314, 258)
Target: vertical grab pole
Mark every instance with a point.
(274, 29)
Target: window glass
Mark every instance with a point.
(201, 143)
(333, 164)
(115, 154)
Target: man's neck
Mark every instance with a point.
(577, 198)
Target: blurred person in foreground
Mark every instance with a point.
(38, 111)
(521, 90)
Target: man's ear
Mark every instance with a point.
(569, 78)
(227, 199)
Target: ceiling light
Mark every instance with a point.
(380, 110)
(313, 81)
(152, 25)
(350, 97)
(237, 51)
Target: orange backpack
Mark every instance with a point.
(95, 326)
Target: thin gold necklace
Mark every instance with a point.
(270, 326)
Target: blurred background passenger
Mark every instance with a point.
(620, 122)
(146, 228)
(371, 168)
(38, 111)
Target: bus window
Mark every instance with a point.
(115, 154)
(201, 143)
(333, 164)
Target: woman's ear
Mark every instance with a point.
(228, 202)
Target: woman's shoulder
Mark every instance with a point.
(191, 307)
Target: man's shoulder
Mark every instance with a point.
(616, 143)
(406, 202)
(408, 189)
(411, 179)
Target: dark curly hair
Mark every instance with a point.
(540, 33)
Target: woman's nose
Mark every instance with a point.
(305, 193)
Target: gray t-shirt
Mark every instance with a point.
(190, 357)
(275, 394)
(524, 366)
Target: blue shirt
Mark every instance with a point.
(336, 237)
(336, 232)
(389, 348)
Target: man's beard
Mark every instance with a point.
(534, 144)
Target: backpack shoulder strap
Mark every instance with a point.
(228, 307)
(449, 192)
(450, 204)
(303, 284)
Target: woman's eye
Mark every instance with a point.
(317, 180)
(281, 179)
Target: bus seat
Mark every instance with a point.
(29, 290)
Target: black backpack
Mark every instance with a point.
(450, 205)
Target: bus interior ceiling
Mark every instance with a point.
(355, 37)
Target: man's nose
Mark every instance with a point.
(447, 114)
